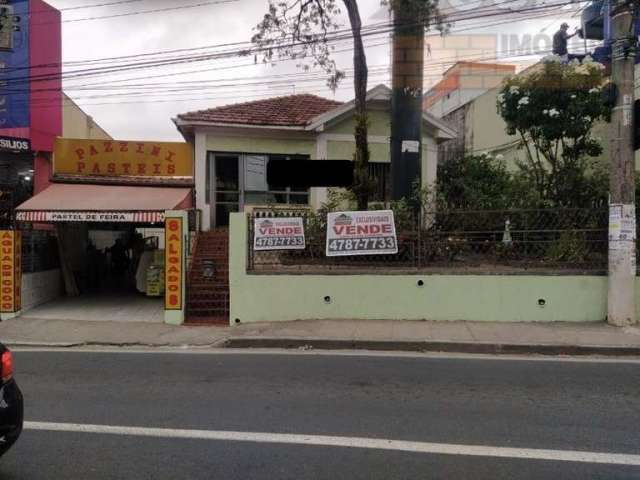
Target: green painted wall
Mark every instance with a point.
(269, 298)
(379, 124)
(220, 143)
(344, 151)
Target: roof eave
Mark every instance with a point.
(180, 123)
(379, 92)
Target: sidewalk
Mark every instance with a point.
(465, 337)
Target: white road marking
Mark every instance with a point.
(205, 350)
(346, 442)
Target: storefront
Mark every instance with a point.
(108, 203)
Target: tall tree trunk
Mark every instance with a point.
(360, 78)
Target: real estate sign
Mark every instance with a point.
(361, 233)
(278, 233)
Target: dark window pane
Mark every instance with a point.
(227, 197)
(222, 214)
(227, 173)
(379, 176)
(254, 198)
(207, 182)
(299, 199)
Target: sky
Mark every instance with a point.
(143, 111)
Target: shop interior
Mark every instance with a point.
(111, 272)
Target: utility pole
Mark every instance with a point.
(406, 100)
(622, 217)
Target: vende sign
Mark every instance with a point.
(10, 271)
(173, 263)
(122, 158)
(279, 233)
(361, 233)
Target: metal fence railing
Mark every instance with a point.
(497, 241)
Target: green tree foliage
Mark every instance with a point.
(553, 110)
(476, 182)
(303, 30)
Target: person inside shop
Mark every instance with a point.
(119, 257)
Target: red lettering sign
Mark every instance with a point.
(173, 263)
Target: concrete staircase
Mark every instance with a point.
(208, 280)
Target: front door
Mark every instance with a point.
(225, 184)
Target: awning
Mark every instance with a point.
(102, 203)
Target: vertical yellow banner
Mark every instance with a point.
(7, 271)
(173, 262)
(17, 264)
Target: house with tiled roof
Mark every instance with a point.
(234, 143)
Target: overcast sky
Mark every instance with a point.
(148, 116)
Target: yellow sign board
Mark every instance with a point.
(173, 262)
(114, 158)
(10, 271)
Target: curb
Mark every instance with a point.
(124, 345)
(433, 346)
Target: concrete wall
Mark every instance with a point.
(40, 287)
(77, 124)
(270, 298)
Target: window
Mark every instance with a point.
(379, 175)
(257, 189)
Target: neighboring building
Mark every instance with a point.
(77, 124)
(480, 128)
(234, 143)
(30, 115)
(462, 83)
(465, 88)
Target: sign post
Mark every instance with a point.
(10, 274)
(176, 235)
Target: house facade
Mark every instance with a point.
(233, 145)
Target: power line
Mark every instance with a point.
(164, 94)
(195, 58)
(138, 12)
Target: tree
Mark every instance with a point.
(553, 110)
(303, 29)
(478, 182)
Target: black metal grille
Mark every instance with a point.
(569, 241)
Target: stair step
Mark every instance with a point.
(205, 321)
(208, 297)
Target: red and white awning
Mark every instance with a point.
(82, 216)
(102, 203)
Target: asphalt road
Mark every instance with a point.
(523, 405)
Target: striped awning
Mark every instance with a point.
(83, 216)
(103, 203)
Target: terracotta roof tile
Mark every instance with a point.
(289, 111)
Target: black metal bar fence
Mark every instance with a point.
(550, 241)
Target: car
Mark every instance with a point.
(11, 403)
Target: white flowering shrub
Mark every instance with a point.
(553, 111)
